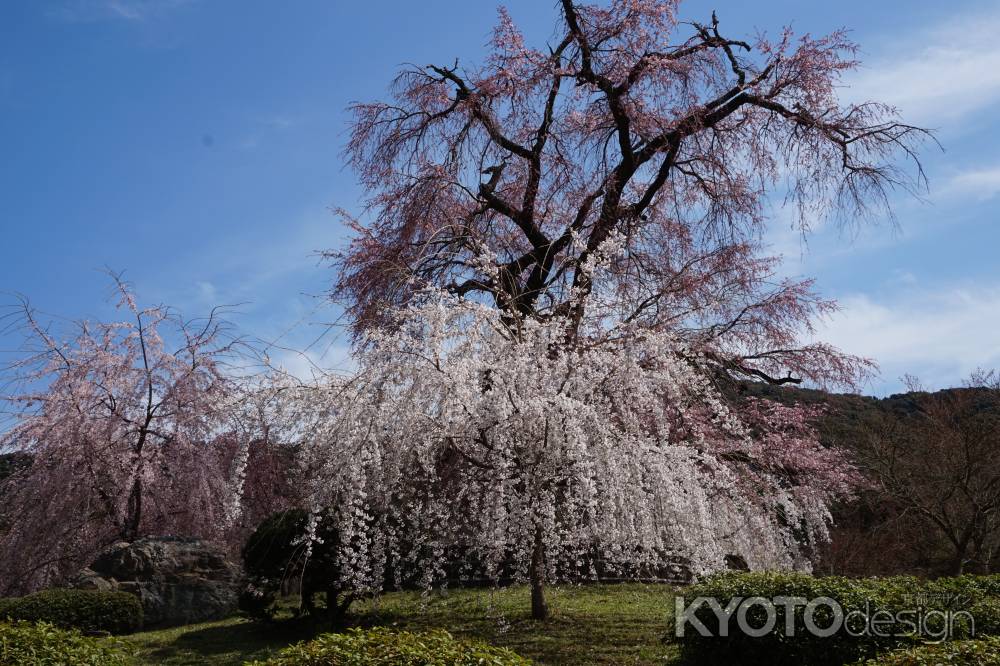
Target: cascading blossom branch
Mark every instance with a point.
(534, 455)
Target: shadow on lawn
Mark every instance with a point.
(231, 643)
(605, 625)
(595, 625)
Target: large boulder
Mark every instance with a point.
(178, 580)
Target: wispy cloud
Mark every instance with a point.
(937, 75)
(937, 334)
(207, 292)
(266, 127)
(274, 284)
(309, 365)
(89, 11)
(980, 184)
(280, 122)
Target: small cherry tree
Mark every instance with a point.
(132, 427)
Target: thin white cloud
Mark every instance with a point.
(310, 366)
(280, 122)
(937, 75)
(207, 292)
(90, 11)
(905, 278)
(262, 128)
(939, 335)
(980, 184)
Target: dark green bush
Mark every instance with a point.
(43, 644)
(274, 559)
(11, 463)
(984, 652)
(383, 647)
(86, 610)
(968, 586)
(978, 596)
(868, 596)
(986, 613)
(941, 607)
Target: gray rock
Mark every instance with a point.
(736, 563)
(178, 580)
(88, 579)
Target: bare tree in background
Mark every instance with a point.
(934, 468)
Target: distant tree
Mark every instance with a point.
(133, 427)
(932, 463)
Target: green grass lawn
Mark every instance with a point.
(225, 642)
(592, 624)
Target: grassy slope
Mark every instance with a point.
(597, 624)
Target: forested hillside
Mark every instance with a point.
(932, 502)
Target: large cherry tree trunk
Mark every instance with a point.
(133, 512)
(536, 573)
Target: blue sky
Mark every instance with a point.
(196, 145)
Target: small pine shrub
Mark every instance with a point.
(86, 610)
(43, 644)
(383, 647)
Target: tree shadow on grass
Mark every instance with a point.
(231, 643)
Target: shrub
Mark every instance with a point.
(984, 652)
(986, 613)
(928, 603)
(45, 645)
(978, 595)
(968, 586)
(774, 647)
(383, 647)
(275, 555)
(986, 585)
(11, 463)
(86, 610)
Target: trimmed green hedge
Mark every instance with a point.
(384, 647)
(984, 652)
(43, 644)
(86, 610)
(937, 606)
(969, 585)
